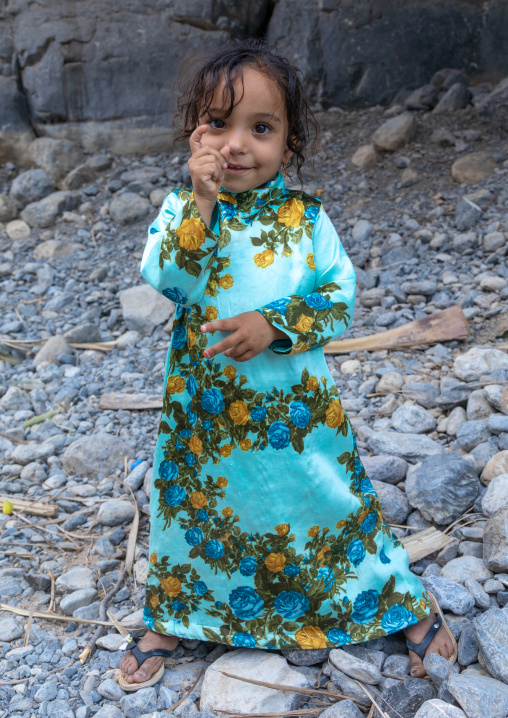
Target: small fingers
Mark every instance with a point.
(195, 138)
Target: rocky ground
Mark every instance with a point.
(420, 199)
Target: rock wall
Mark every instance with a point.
(101, 73)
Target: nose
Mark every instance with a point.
(236, 140)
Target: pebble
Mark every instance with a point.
(464, 567)
(436, 708)
(450, 594)
(410, 447)
(75, 579)
(391, 469)
(495, 543)
(354, 667)
(115, 513)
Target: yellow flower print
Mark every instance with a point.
(334, 414)
(191, 233)
(175, 384)
(340, 524)
(153, 558)
(310, 261)
(239, 412)
(171, 585)
(264, 259)
(211, 312)
(320, 556)
(313, 531)
(362, 516)
(282, 529)
(226, 282)
(275, 562)
(299, 348)
(198, 499)
(291, 213)
(312, 383)
(304, 323)
(422, 604)
(222, 482)
(229, 371)
(245, 444)
(225, 450)
(311, 637)
(154, 601)
(227, 512)
(286, 252)
(226, 197)
(196, 445)
(191, 337)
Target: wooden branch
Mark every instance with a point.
(116, 400)
(424, 542)
(36, 508)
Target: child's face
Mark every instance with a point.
(255, 131)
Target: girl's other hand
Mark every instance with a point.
(206, 167)
(250, 334)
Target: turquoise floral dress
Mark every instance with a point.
(265, 529)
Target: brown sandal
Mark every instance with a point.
(421, 647)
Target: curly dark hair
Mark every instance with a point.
(200, 75)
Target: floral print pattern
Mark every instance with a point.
(265, 529)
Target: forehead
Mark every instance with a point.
(259, 91)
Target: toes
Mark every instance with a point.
(147, 670)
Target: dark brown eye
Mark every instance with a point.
(262, 125)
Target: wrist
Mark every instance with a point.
(205, 207)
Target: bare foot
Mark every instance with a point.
(440, 644)
(129, 664)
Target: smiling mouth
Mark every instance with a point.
(237, 167)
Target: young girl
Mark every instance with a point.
(265, 529)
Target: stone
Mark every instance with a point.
(56, 157)
(139, 702)
(410, 418)
(472, 433)
(427, 287)
(479, 696)
(394, 504)
(442, 488)
(354, 667)
(390, 469)
(46, 692)
(45, 212)
(137, 475)
(31, 186)
(473, 167)
(17, 230)
(115, 513)
(467, 646)
(372, 298)
(456, 98)
(493, 241)
(342, 709)
(95, 454)
(409, 177)
(108, 711)
(60, 709)
(83, 174)
(464, 567)
(391, 381)
(498, 423)
(350, 366)
(398, 665)
(395, 133)
(411, 447)
(478, 361)
(349, 687)
(495, 541)
(8, 209)
(365, 157)
(51, 350)
(450, 595)
(480, 596)
(436, 708)
(110, 690)
(478, 406)
(143, 308)
(493, 104)
(10, 629)
(406, 697)
(492, 284)
(77, 599)
(308, 657)
(128, 207)
(54, 249)
(220, 693)
(438, 668)
(496, 466)
(76, 579)
(496, 497)
(15, 399)
(422, 392)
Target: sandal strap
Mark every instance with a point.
(142, 656)
(420, 648)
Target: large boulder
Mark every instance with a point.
(495, 542)
(95, 454)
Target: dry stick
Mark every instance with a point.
(476, 513)
(56, 617)
(181, 700)
(22, 680)
(382, 712)
(29, 626)
(37, 527)
(52, 599)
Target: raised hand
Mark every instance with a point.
(251, 333)
(206, 166)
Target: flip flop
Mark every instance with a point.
(420, 648)
(141, 657)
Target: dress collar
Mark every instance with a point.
(255, 199)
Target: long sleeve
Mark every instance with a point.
(312, 320)
(180, 250)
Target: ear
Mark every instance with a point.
(287, 155)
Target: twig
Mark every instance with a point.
(448, 528)
(41, 418)
(29, 626)
(52, 599)
(56, 617)
(181, 700)
(381, 711)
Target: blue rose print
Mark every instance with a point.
(245, 603)
(189, 459)
(176, 295)
(179, 311)
(358, 473)
(218, 604)
(244, 640)
(212, 401)
(299, 413)
(366, 487)
(177, 605)
(258, 413)
(168, 470)
(181, 435)
(383, 557)
(228, 210)
(365, 606)
(148, 618)
(338, 636)
(292, 569)
(214, 549)
(207, 424)
(202, 515)
(191, 385)
(356, 552)
(317, 301)
(326, 573)
(200, 588)
(248, 566)
(174, 495)
(278, 435)
(291, 604)
(280, 305)
(368, 523)
(311, 213)
(179, 336)
(396, 618)
(194, 536)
